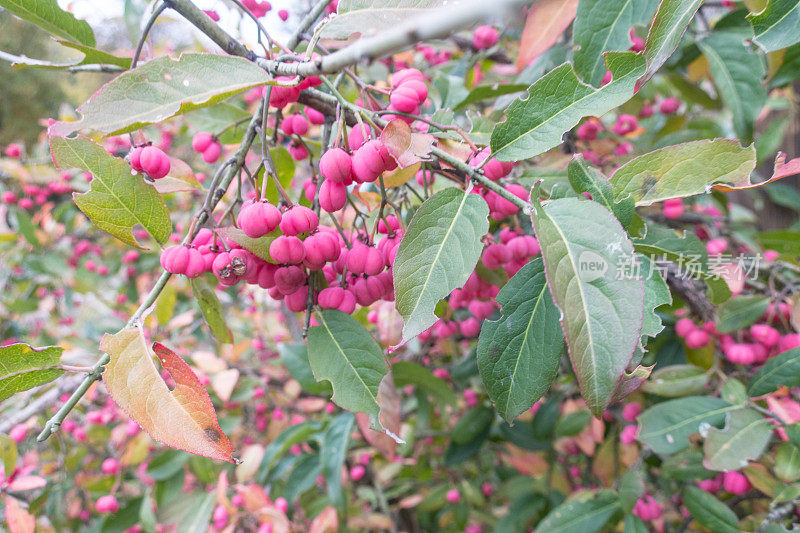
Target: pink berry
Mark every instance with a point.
(697, 339)
(201, 141)
(470, 327)
(18, 433)
(625, 124)
(282, 505)
(484, 37)
(588, 130)
(684, 326)
(314, 116)
(212, 153)
(154, 162)
(404, 99)
(742, 354)
(631, 411)
(257, 219)
(357, 472)
(669, 106)
(107, 504)
(332, 196)
(321, 247)
(735, 482)
(405, 75)
(628, 434)
(299, 219)
(8, 197)
(283, 14)
(363, 259)
(110, 466)
(453, 496)
(367, 162)
(287, 249)
(14, 151)
(289, 278)
(335, 165)
(213, 15)
(716, 246)
(766, 335)
(673, 208)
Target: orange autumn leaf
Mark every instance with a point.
(18, 519)
(547, 20)
(182, 418)
(406, 147)
(781, 170)
(325, 522)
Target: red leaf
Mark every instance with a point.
(782, 170)
(18, 519)
(406, 147)
(547, 19)
(182, 418)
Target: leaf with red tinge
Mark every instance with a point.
(389, 400)
(628, 383)
(547, 20)
(182, 418)
(18, 519)
(407, 147)
(782, 170)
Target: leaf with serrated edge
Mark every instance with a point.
(601, 316)
(738, 76)
(656, 294)
(556, 103)
(437, 255)
(163, 88)
(684, 170)
(744, 438)
(23, 367)
(368, 17)
(47, 15)
(518, 354)
(666, 30)
(117, 200)
(776, 26)
(604, 25)
(341, 351)
(182, 418)
(547, 20)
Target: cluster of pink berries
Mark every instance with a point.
(207, 146)
(33, 195)
(733, 482)
(754, 346)
(150, 160)
(408, 93)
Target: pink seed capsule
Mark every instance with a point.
(257, 219)
(287, 249)
(212, 153)
(332, 196)
(154, 162)
(336, 165)
(201, 141)
(299, 219)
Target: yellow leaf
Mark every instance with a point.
(399, 176)
(182, 418)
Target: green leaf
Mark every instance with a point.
(585, 513)
(219, 119)
(634, 524)
(584, 248)
(733, 392)
(744, 438)
(437, 255)
(284, 166)
(117, 200)
(212, 310)
(738, 76)
(789, 69)
(408, 373)
(8, 453)
(666, 30)
(556, 103)
(163, 88)
(656, 294)
(295, 358)
(603, 25)
(787, 463)
(573, 423)
(472, 424)
(333, 450)
(709, 511)
(91, 56)
(631, 488)
(259, 247)
(740, 312)
(684, 170)
(781, 370)
(665, 427)
(485, 92)
(586, 178)
(343, 352)
(47, 15)
(23, 367)
(776, 26)
(675, 381)
(368, 17)
(519, 354)
(280, 445)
